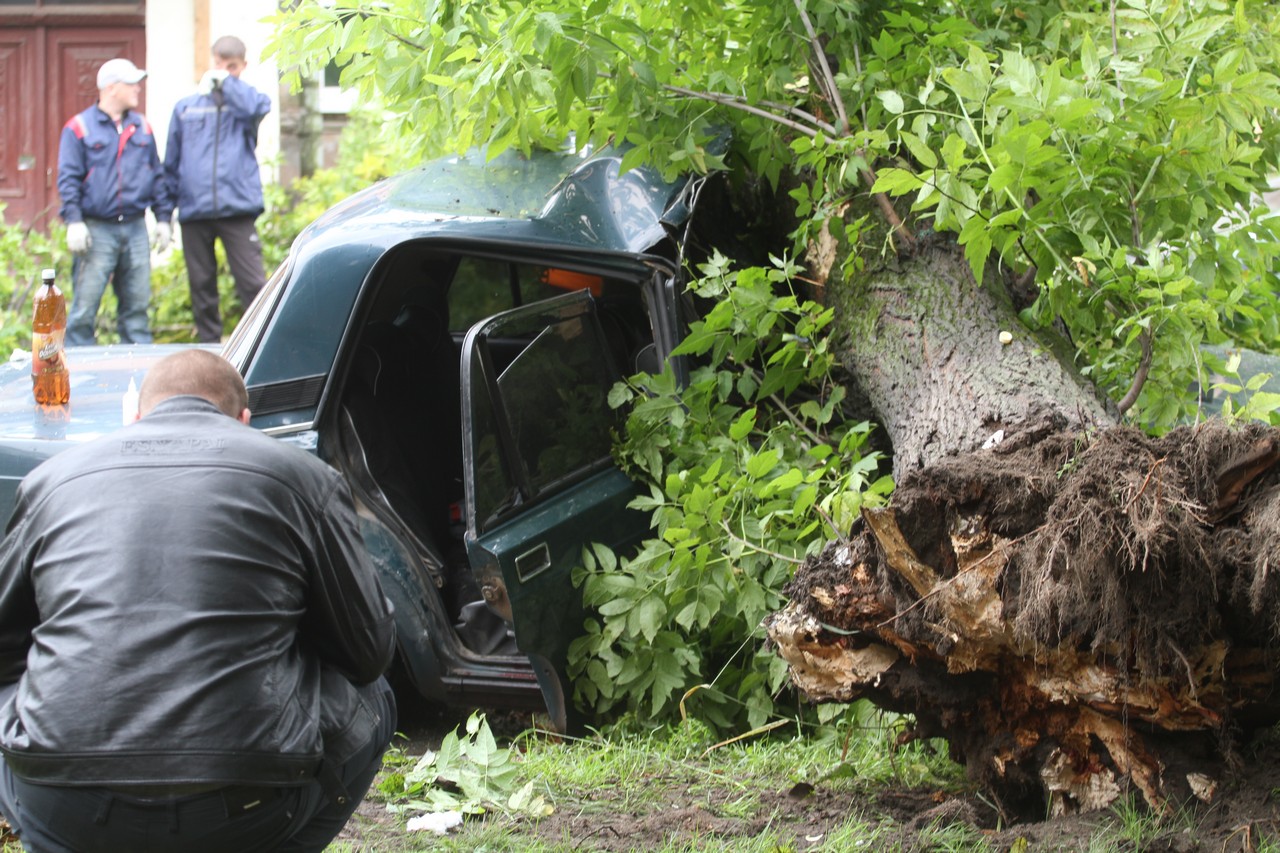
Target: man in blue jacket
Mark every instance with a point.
(212, 173)
(109, 173)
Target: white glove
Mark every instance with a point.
(212, 79)
(162, 237)
(78, 240)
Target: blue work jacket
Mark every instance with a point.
(210, 166)
(105, 173)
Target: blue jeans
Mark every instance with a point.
(300, 819)
(120, 249)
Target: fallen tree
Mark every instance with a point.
(1074, 606)
(1028, 220)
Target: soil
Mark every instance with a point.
(1244, 815)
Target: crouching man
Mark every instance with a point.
(192, 638)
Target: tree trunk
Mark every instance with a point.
(1076, 608)
(924, 344)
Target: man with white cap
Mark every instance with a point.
(109, 174)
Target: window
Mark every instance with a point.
(539, 382)
(333, 97)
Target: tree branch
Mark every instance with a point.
(1115, 52)
(791, 416)
(1140, 377)
(759, 550)
(828, 80)
(409, 42)
(739, 104)
(886, 209)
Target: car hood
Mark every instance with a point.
(100, 378)
(30, 434)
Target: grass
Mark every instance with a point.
(675, 789)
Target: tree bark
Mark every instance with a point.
(923, 343)
(1076, 608)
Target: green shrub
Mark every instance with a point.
(749, 469)
(24, 252)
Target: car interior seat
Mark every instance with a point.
(432, 358)
(422, 330)
(371, 405)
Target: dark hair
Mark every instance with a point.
(196, 372)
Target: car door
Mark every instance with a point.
(540, 483)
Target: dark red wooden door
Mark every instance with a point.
(21, 140)
(48, 73)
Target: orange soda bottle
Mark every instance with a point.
(49, 380)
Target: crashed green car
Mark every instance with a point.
(447, 339)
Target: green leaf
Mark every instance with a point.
(896, 182)
(1020, 72)
(786, 481)
(966, 86)
(743, 426)
(919, 150)
(760, 464)
(1089, 58)
(892, 101)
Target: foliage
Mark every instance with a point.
(640, 778)
(470, 774)
(24, 252)
(1112, 158)
(1247, 398)
(1116, 160)
(751, 468)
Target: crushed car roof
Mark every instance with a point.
(581, 200)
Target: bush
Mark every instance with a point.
(749, 469)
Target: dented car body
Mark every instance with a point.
(447, 339)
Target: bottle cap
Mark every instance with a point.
(46, 275)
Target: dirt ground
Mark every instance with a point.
(1244, 817)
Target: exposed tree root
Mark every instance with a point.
(1074, 614)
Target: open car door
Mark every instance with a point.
(540, 482)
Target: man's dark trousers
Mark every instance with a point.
(239, 238)
(245, 819)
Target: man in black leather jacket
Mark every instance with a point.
(192, 638)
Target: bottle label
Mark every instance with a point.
(46, 346)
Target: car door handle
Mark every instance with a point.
(533, 562)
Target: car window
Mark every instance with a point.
(483, 287)
(555, 394)
(245, 336)
(539, 381)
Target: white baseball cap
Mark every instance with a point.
(119, 71)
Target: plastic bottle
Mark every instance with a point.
(49, 380)
(129, 404)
